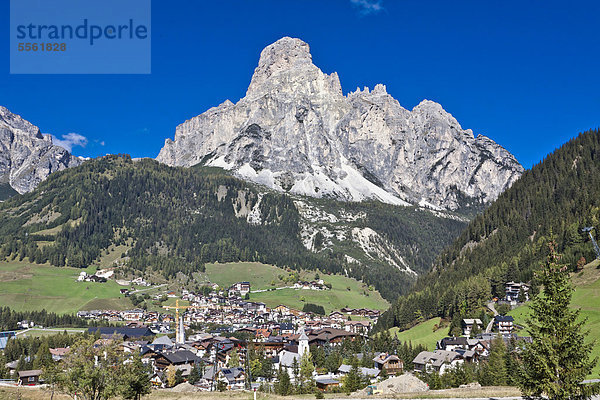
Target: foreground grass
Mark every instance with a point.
(26, 393)
(26, 286)
(423, 334)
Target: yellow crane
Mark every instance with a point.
(179, 329)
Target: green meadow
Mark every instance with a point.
(424, 333)
(262, 276)
(26, 286)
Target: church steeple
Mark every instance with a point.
(303, 344)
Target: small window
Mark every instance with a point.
(31, 379)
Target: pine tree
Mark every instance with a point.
(43, 357)
(284, 387)
(522, 296)
(234, 359)
(352, 380)
(135, 379)
(195, 374)
(493, 372)
(558, 359)
(306, 369)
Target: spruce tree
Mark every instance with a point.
(494, 370)
(558, 359)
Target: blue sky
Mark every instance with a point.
(524, 73)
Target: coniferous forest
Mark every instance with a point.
(178, 219)
(555, 199)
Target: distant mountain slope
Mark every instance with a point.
(557, 197)
(26, 156)
(176, 219)
(295, 131)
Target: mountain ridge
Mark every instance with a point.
(295, 131)
(27, 156)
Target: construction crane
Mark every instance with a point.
(589, 229)
(180, 329)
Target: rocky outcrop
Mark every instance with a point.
(26, 156)
(296, 131)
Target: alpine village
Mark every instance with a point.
(300, 242)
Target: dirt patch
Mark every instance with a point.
(184, 388)
(406, 383)
(22, 273)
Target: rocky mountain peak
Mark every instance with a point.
(27, 156)
(287, 64)
(295, 131)
(286, 53)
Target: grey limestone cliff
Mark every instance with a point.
(296, 131)
(27, 156)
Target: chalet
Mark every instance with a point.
(59, 353)
(468, 324)
(371, 373)
(281, 309)
(439, 361)
(30, 378)
(249, 330)
(263, 334)
(389, 362)
(242, 288)
(133, 315)
(286, 328)
(234, 377)
(25, 324)
(336, 315)
(176, 358)
(357, 326)
(453, 343)
(156, 380)
(325, 384)
(512, 290)
(332, 336)
(504, 324)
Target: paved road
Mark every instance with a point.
(492, 308)
(150, 288)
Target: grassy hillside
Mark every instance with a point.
(587, 298)
(424, 333)
(25, 286)
(262, 276)
(258, 274)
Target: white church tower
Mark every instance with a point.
(303, 344)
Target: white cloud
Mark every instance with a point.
(367, 7)
(70, 140)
